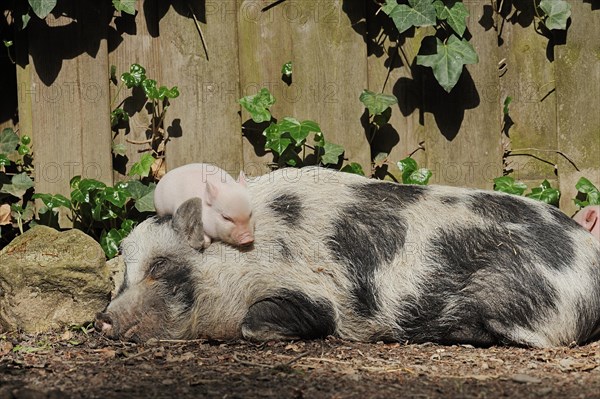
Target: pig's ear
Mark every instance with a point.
(242, 179)
(590, 219)
(187, 221)
(211, 193)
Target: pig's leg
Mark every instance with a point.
(290, 315)
(206, 242)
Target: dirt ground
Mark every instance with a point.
(76, 364)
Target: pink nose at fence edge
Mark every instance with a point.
(103, 323)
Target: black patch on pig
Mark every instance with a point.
(485, 273)
(546, 235)
(369, 232)
(291, 314)
(124, 284)
(160, 220)
(176, 277)
(288, 207)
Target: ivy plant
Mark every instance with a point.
(289, 139)
(544, 192)
(107, 213)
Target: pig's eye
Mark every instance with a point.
(227, 218)
(157, 266)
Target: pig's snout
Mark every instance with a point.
(104, 324)
(245, 239)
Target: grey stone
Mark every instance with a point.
(49, 279)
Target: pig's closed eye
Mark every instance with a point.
(227, 218)
(157, 266)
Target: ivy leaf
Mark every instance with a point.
(4, 161)
(9, 141)
(355, 168)
(143, 166)
(81, 189)
(331, 153)
(286, 69)
(447, 63)
(19, 184)
(25, 20)
(119, 149)
(149, 86)
(146, 203)
(53, 202)
(42, 8)
(110, 241)
(117, 116)
(456, 16)
(507, 102)
(507, 184)
(557, 13)
(586, 187)
(377, 103)
(419, 13)
(126, 6)
(116, 196)
(135, 76)
(275, 142)
(420, 176)
(411, 173)
(545, 193)
(299, 131)
(257, 105)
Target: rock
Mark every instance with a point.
(49, 279)
(116, 266)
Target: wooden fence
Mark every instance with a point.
(64, 94)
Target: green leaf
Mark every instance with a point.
(110, 241)
(286, 69)
(275, 142)
(557, 13)
(592, 193)
(456, 15)
(407, 166)
(53, 202)
(25, 18)
(119, 148)
(149, 86)
(19, 184)
(4, 161)
(113, 74)
(42, 8)
(142, 167)
(508, 184)
(135, 76)
(83, 187)
(126, 6)
(420, 176)
(419, 13)
(545, 193)
(117, 116)
(257, 105)
(353, 167)
(117, 197)
(146, 203)
(507, 102)
(376, 103)
(9, 141)
(7, 43)
(447, 63)
(331, 153)
(298, 131)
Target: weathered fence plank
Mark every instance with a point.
(463, 126)
(203, 122)
(527, 77)
(578, 97)
(389, 64)
(330, 71)
(265, 44)
(68, 94)
(135, 40)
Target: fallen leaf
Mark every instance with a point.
(5, 347)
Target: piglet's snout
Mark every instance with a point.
(245, 239)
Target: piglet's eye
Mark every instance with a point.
(227, 218)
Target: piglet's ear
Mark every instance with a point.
(591, 217)
(242, 179)
(187, 221)
(211, 193)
